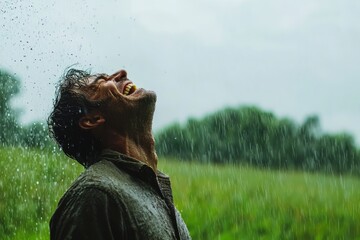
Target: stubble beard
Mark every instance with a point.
(135, 117)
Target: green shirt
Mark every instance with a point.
(118, 198)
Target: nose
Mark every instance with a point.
(118, 75)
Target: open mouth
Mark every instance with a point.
(129, 89)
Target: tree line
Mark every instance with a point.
(12, 132)
(251, 136)
(243, 135)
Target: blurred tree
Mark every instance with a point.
(36, 135)
(12, 133)
(9, 87)
(255, 137)
(337, 153)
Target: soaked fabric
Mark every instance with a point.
(118, 198)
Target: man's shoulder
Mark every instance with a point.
(102, 176)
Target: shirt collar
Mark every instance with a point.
(139, 169)
(125, 161)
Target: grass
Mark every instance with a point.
(31, 184)
(217, 202)
(231, 202)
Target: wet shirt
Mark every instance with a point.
(118, 198)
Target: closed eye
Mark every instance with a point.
(94, 84)
(99, 79)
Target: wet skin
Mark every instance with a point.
(124, 124)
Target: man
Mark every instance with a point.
(105, 123)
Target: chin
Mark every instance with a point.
(149, 96)
(153, 94)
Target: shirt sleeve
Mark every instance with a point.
(90, 214)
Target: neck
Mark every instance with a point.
(140, 146)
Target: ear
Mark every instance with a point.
(91, 121)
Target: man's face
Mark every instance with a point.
(117, 85)
(126, 103)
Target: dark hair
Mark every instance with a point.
(70, 104)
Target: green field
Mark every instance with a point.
(217, 202)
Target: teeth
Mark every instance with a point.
(130, 88)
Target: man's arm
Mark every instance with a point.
(89, 214)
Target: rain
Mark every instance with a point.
(256, 119)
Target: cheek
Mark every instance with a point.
(111, 90)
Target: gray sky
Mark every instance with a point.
(294, 58)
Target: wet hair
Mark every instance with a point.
(70, 105)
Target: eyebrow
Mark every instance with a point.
(99, 77)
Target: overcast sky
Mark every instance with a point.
(293, 58)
